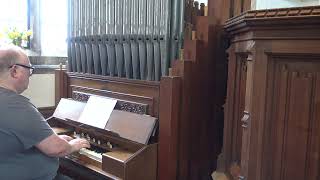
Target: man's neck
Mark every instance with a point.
(6, 86)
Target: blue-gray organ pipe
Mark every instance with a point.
(135, 57)
(78, 56)
(96, 56)
(110, 16)
(89, 55)
(69, 63)
(83, 56)
(79, 18)
(175, 11)
(103, 58)
(94, 10)
(71, 17)
(181, 25)
(70, 22)
(126, 16)
(88, 17)
(111, 56)
(97, 17)
(142, 17)
(142, 58)
(107, 7)
(156, 17)
(150, 59)
(127, 57)
(119, 56)
(165, 35)
(69, 28)
(149, 17)
(164, 17)
(75, 9)
(164, 49)
(157, 59)
(102, 17)
(81, 31)
(75, 17)
(73, 56)
(118, 14)
(135, 17)
(93, 14)
(82, 20)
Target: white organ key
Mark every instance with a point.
(93, 155)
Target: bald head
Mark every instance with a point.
(14, 71)
(10, 55)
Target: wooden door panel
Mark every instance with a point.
(295, 127)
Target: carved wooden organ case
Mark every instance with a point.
(272, 117)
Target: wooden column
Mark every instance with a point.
(61, 88)
(169, 108)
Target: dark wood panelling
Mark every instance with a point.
(280, 134)
(294, 125)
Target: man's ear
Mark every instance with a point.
(13, 72)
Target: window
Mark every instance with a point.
(14, 13)
(53, 23)
(47, 20)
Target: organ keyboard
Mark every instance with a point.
(119, 151)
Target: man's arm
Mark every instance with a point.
(56, 146)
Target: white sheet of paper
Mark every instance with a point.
(69, 109)
(97, 111)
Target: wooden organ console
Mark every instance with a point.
(127, 147)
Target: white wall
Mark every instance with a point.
(41, 90)
(269, 4)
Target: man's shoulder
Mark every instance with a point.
(14, 100)
(16, 104)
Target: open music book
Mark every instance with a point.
(96, 112)
(99, 112)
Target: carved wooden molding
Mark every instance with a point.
(78, 96)
(131, 107)
(121, 105)
(276, 16)
(284, 12)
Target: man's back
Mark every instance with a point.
(22, 127)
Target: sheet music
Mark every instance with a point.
(69, 109)
(97, 111)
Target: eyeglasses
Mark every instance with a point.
(31, 68)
